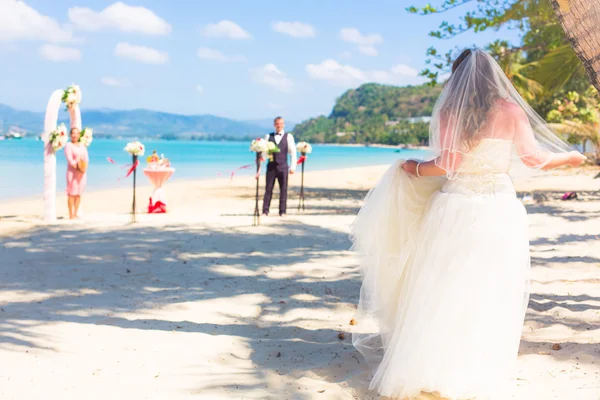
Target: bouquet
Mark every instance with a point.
(135, 148)
(86, 137)
(304, 148)
(272, 148)
(71, 96)
(259, 146)
(58, 138)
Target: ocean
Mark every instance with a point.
(21, 162)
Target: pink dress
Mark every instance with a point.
(76, 179)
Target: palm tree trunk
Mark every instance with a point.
(579, 19)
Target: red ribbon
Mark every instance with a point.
(239, 169)
(131, 167)
(301, 160)
(157, 208)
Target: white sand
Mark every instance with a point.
(198, 304)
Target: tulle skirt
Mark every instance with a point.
(445, 269)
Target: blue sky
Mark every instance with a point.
(234, 58)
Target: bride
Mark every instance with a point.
(444, 244)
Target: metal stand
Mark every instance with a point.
(301, 203)
(256, 220)
(133, 204)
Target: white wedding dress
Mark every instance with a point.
(445, 269)
(445, 260)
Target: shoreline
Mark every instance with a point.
(206, 181)
(206, 199)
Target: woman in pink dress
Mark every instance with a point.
(77, 162)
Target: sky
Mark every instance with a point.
(232, 58)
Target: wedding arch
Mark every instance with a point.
(54, 138)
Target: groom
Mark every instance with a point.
(278, 169)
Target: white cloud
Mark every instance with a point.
(366, 43)
(405, 70)
(18, 21)
(294, 29)
(270, 75)
(143, 54)
(199, 89)
(56, 53)
(368, 50)
(332, 71)
(353, 35)
(346, 75)
(211, 54)
(121, 17)
(226, 29)
(114, 82)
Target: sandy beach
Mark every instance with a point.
(199, 304)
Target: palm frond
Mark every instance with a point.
(557, 68)
(576, 129)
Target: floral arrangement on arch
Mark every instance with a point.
(304, 148)
(86, 137)
(58, 138)
(71, 96)
(135, 148)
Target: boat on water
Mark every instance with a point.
(13, 136)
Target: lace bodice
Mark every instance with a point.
(484, 170)
(491, 156)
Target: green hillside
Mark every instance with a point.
(374, 113)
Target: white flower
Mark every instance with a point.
(62, 130)
(135, 148)
(259, 146)
(72, 95)
(304, 147)
(87, 135)
(76, 90)
(58, 138)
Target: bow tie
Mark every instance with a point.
(279, 134)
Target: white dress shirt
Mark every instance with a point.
(291, 147)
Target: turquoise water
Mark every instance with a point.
(21, 162)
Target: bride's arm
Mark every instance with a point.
(533, 155)
(447, 160)
(427, 168)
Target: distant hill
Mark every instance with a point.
(138, 123)
(374, 113)
(27, 120)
